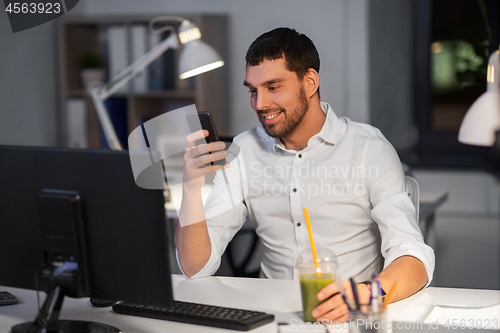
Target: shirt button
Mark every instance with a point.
(294, 190)
(300, 155)
(298, 224)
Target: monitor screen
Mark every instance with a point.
(125, 225)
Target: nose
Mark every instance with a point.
(262, 101)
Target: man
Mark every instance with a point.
(347, 175)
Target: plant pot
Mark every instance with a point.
(90, 75)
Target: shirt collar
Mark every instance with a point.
(333, 129)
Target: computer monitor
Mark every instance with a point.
(125, 232)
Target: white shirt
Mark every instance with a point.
(351, 181)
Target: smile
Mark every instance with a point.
(271, 116)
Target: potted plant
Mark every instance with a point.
(91, 68)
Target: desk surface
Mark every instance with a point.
(279, 297)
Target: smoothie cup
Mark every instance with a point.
(312, 280)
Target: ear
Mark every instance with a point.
(311, 82)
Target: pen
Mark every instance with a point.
(347, 301)
(354, 293)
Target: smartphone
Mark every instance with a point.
(203, 120)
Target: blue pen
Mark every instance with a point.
(373, 297)
(354, 292)
(380, 293)
(347, 301)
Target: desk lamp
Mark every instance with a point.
(482, 120)
(195, 58)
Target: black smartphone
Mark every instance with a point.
(203, 120)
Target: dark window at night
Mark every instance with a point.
(453, 39)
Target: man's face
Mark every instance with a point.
(277, 96)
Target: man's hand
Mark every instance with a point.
(191, 234)
(196, 159)
(334, 308)
(408, 272)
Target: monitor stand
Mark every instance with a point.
(47, 320)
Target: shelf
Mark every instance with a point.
(82, 34)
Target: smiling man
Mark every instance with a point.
(346, 173)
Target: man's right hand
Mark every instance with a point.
(191, 235)
(197, 159)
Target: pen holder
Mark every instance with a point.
(310, 281)
(367, 321)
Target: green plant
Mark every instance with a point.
(91, 60)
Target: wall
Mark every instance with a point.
(390, 70)
(27, 85)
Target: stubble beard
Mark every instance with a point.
(292, 119)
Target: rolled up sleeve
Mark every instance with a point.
(393, 210)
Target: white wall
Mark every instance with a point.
(338, 29)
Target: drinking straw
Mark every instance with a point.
(313, 247)
(390, 295)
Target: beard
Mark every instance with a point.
(292, 118)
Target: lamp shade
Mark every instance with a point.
(481, 121)
(196, 58)
(483, 117)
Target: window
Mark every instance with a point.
(452, 42)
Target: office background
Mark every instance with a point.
(367, 73)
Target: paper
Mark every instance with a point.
(485, 317)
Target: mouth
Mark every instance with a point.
(271, 118)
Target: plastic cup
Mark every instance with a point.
(310, 282)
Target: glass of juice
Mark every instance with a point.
(313, 279)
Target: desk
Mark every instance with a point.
(279, 297)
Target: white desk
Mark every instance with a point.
(279, 297)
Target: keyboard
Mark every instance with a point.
(198, 314)
(7, 298)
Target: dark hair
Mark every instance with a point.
(298, 50)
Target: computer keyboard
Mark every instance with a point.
(199, 314)
(7, 298)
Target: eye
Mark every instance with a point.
(252, 92)
(272, 88)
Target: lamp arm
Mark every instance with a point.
(100, 93)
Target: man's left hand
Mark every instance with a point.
(334, 309)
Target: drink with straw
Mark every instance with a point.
(310, 284)
(316, 270)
